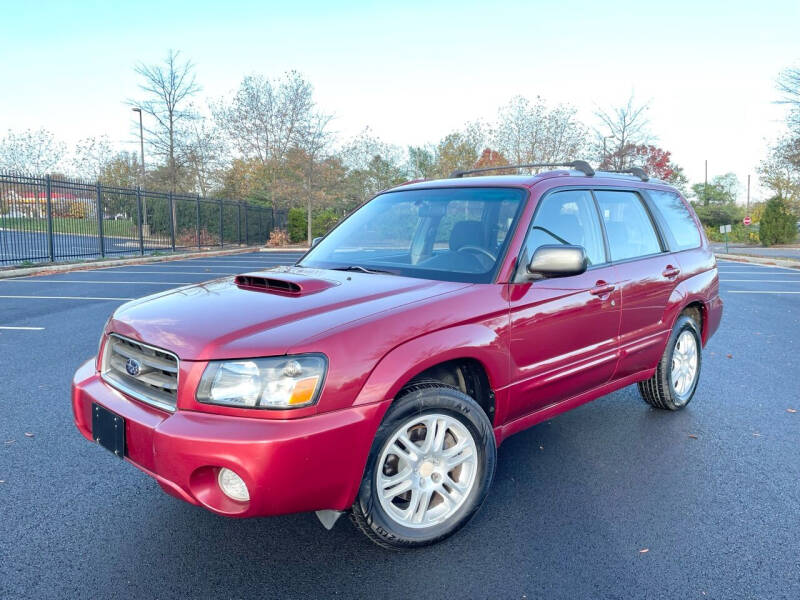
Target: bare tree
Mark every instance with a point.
(315, 138)
(621, 130)
(203, 152)
(789, 87)
(29, 151)
(265, 119)
(534, 133)
(91, 156)
(168, 90)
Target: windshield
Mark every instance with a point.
(456, 234)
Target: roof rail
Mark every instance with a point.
(635, 171)
(578, 165)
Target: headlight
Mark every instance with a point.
(278, 382)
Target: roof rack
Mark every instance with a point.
(636, 171)
(578, 165)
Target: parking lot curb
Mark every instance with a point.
(777, 262)
(284, 249)
(117, 262)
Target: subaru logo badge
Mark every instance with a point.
(133, 367)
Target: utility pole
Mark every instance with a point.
(146, 229)
(748, 195)
(705, 185)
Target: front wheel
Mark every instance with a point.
(429, 470)
(675, 380)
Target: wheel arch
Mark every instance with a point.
(467, 357)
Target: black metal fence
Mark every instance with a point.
(53, 219)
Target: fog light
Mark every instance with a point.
(232, 485)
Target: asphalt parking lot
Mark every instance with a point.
(611, 500)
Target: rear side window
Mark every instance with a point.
(679, 226)
(628, 226)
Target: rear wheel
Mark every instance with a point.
(675, 380)
(429, 469)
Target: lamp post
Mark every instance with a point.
(145, 228)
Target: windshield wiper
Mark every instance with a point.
(361, 269)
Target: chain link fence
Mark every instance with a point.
(50, 219)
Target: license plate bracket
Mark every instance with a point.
(108, 430)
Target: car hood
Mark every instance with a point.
(266, 312)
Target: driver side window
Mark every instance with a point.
(569, 218)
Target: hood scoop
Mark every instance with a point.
(283, 283)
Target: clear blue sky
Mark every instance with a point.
(413, 71)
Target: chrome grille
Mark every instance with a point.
(145, 372)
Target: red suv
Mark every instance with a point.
(380, 373)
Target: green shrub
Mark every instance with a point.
(321, 222)
(739, 234)
(777, 224)
(296, 224)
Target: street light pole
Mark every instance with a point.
(146, 230)
(605, 150)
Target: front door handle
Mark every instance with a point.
(671, 272)
(601, 288)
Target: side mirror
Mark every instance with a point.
(557, 261)
(316, 241)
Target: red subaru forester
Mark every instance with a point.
(380, 373)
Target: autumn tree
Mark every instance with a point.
(459, 150)
(421, 162)
(372, 165)
(532, 132)
(168, 89)
(657, 162)
(780, 171)
(30, 151)
(622, 129)
(122, 170)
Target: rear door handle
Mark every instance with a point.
(601, 288)
(671, 272)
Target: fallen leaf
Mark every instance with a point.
(10, 441)
(729, 355)
(28, 434)
(693, 436)
(643, 550)
(756, 434)
(791, 410)
(541, 447)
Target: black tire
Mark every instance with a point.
(414, 401)
(659, 391)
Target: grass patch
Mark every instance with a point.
(120, 228)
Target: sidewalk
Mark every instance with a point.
(45, 269)
(761, 260)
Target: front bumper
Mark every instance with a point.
(298, 465)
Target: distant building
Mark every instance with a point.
(33, 204)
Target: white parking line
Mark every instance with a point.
(757, 273)
(22, 328)
(761, 280)
(63, 298)
(35, 280)
(175, 272)
(758, 292)
(183, 265)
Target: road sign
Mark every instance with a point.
(747, 220)
(724, 228)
